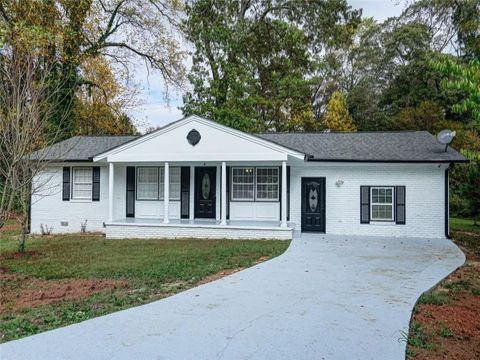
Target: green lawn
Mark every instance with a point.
(466, 235)
(457, 224)
(146, 269)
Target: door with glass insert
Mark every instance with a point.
(205, 190)
(313, 204)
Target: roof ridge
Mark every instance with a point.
(343, 132)
(112, 136)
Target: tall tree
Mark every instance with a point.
(254, 60)
(464, 76)
(78, 30)
(454, 25)
(337, 117)
(27, 99)
(99, 108)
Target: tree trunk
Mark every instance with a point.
(22, 239)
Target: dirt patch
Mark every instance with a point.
(462, 318)
(13, 226)
(452, 329)
(227, 272)
(262, 259)
(218, 275)
(21, 292)
(20, 255)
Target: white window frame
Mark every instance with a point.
(75, 183)
(145, 198)
(233, 198)
(277, 198)
(175, 179)
(392, 204)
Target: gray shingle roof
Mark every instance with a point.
(80, 148)
(401, 146)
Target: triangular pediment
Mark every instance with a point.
(197, 139)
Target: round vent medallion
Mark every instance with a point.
(193, 137)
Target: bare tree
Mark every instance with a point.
(25, 107)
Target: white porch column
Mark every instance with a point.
(191, 203)
(224, 193)
(166, 192)
(284, 194)
(110, 191)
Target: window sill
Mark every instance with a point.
(81, 200)
(383, 223)
(157, 200)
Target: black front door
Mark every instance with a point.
(205, 182)
(313, 204)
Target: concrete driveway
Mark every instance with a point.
(327, 297)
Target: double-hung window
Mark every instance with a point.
(243, 183)
(147, 183)
(174, 176)
(250, 183)
(267, 183)
(82, 183)
(150, 183)
(381, 203)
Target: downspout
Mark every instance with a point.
(447, 203)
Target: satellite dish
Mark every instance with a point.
(445, 137)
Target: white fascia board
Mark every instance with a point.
(199, 157)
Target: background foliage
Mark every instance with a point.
(266, 65)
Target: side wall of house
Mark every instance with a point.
(49, 209)
(425, 197)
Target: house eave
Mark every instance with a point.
(387, 161)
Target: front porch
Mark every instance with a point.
(197, 228)
(197, 178)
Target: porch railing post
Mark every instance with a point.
(224, 193)
(284, 194)
(166, 192)
(110, 191)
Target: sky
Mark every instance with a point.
(155, 110)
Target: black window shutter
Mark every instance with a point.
(185, 192)
(288, 193)
(228, 192)
(364, 204)
(96, 183)
(66, 184)
(130, 191)
(400, 204)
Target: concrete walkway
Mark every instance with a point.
(327, 297)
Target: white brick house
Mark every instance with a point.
(223, 183)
